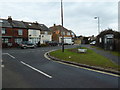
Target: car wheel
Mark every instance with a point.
(24, 47)
(33, 47)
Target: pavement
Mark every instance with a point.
(28, 68)
(113, 58)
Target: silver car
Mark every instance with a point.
(27, 44)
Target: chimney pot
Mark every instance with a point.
(9, 19)
(54, 25)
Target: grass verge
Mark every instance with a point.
(89, 58)
(112, 52)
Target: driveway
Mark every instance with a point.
(28, 68)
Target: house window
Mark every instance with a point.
(100, 40)
(63, 33)
(18, 40)
(72, 33)
(20, 32)
(5, 40)
(68, 33)
(30, 24)
(46, 32)
(3, 31)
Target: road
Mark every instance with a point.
(28, 68)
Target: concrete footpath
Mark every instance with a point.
(113, 58)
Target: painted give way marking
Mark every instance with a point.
(8, 55)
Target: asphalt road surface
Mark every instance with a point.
(28, 68)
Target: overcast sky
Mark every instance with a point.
(78, 14)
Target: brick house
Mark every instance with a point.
(13, 32)
(57, 34)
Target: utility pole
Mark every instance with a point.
(119, 16)
(62, 26)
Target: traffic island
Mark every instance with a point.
(88, 60)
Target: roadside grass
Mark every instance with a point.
(89, 58)
(112, 52)
(115, 53)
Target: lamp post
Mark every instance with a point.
(62, 26)
(98, 24)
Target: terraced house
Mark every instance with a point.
(38, 32)
(14, 32)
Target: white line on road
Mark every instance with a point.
(4, 53)
(1, 61)
(36, 70)
(45, 55)
(2, 66)
(8, 55)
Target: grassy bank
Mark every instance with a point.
(89, 58)
(112, 52)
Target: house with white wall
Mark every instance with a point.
(45, 36)
(34, 35)
(38, 33)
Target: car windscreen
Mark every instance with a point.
(30, 43)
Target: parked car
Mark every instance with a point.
(52, 43)
(93, 43)
(27, 44)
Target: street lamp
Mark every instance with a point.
(62, 26)
(98, 24)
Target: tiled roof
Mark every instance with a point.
(37, 26)
(59, 27)
(18, 24)
(43, 27)
(31, 25)
(5, 23)
(21, 24)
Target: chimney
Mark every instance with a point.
(9, 19)
(54, 25)
(36, 22)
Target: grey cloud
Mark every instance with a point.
(78, 16)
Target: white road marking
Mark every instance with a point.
(36, 70)
(8, 55)
(4, 53)
(2, 66)
(45, 55)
